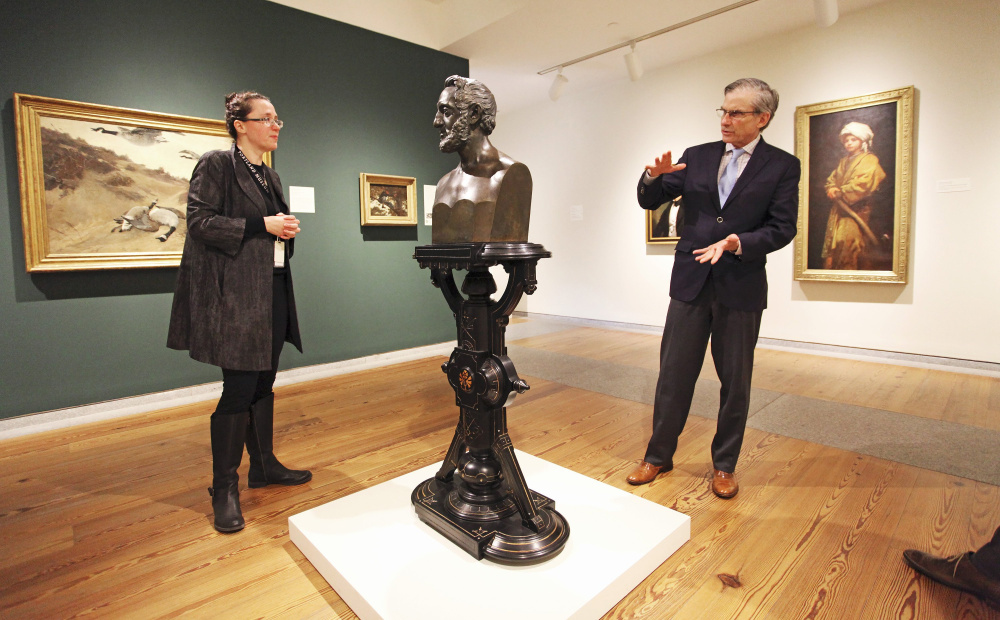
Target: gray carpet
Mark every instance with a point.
(950, 448)
(627, 382)
(955, 449)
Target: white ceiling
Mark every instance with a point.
(508, 42)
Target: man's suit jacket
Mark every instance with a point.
(762, 210)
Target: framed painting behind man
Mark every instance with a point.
(663, 224)
(104, 187)
(854, 207)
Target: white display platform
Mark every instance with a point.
(387, 564)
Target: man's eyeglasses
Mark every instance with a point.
(267, 121)
(735, 114)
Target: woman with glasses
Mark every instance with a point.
(233, 304)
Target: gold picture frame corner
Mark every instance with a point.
(657, 213)
(29, 112)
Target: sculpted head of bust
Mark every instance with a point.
(465, 105)
(487, 197)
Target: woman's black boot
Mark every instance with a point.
(229, 431)
(264, 466)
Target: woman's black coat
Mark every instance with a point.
(222, 303)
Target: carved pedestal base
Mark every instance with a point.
(505, 540)
(479, 499)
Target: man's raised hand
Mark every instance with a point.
(663, 165)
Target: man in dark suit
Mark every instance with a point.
(741, 200)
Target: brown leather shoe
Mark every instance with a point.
(724, 484)
(644, 473)
(955, 572)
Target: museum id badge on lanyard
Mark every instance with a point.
(279, 253)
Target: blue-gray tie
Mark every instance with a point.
(728, 179)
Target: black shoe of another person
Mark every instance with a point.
(265, 468)
(228, 436)
(955, 572)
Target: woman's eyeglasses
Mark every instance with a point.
(267, 121)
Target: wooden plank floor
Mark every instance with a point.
(112, 519)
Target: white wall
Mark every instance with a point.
(589, 148)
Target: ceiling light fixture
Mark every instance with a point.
(558, 86)
(632, 43)
(633, 64)
(827, 12)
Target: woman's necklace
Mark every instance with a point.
(260, 179)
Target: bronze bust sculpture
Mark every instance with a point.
(487, 197)
(479, 499)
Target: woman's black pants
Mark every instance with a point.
(242, 388)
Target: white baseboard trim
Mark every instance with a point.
(84, 414)
(72, 416)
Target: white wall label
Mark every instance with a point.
(429, 203)
(954, 185)
(301, 199)
(576, 213)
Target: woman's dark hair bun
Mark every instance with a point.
(238, 105)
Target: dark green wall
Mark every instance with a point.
(354, 101)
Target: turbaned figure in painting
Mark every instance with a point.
(849, 240)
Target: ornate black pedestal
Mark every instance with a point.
(488, 509)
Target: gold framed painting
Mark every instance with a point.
(663, 224)
(855, 192)
(104, 187)
(388, 200)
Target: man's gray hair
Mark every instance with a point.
(765, 98)
(468, 92)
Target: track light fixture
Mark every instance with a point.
(633, 64)
(827, 12)
(632, 60)
(558, 86)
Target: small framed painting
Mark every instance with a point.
(388, 200)
(663, 224)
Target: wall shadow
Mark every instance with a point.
(660, 249)
(93, 284)
(854, 292)
(388, 233)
